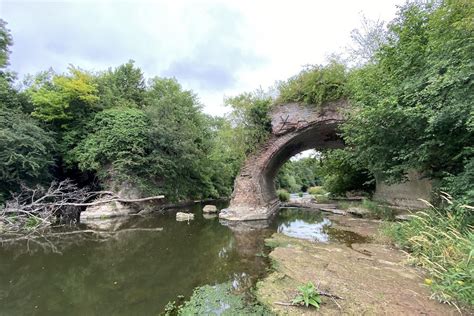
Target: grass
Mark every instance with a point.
(283, 195)
(441, 240)
(378, 211)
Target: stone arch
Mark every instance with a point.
(295, 128)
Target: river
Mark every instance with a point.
(139, 272)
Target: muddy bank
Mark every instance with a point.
(370, 276)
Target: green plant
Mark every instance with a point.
(315, 85)
(300, 194)
(283, 195)
(343, 173)
(308, 295)
(377, 210)
(441, 240)
(318, 190)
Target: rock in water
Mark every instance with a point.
(181, 216)
(210, 209)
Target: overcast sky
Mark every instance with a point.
(216, 48)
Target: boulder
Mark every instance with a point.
(210, 209)
(181, 216)
(106, 210)
(357, 211)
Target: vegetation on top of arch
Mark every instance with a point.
(315, 85)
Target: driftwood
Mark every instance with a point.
(33, 211)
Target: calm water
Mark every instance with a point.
(138, 272)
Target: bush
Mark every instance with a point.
(315, 85)
(316, 191)
(441, 241)
(283, 195)
(342, 173)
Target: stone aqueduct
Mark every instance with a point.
(295, 128)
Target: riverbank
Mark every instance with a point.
(369, 274)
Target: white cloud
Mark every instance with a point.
(216, 48)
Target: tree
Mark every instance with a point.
(124, 85)
(180, 140)
(26, 151)
(250, 118)
(116, 145)
(367, 40)
(60, 99)
(6, 41)
(415, 100)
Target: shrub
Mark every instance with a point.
(441, 241)
(283, 195)
(317, 191)
(315, 85)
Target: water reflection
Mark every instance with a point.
(136, 272)
(303, 224)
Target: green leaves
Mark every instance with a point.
(315, 85)
(63, 98)
(25, 150)
(415, 100)
(308, 296)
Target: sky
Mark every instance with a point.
(215, 48)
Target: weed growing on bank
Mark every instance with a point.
(441, 240)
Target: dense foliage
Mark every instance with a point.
(315, 85)
(299, 175)
(415, 99)
(342, 172)
(25, 151)
(114, 129)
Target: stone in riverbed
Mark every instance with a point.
(106, 210)
(357, 211)
(209, 216)
(181, 216)
(210, 209)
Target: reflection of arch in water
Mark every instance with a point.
(295, 128)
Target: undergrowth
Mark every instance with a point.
(378, 211)
(441, 240)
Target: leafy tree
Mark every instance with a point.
(342, 173)
(6, 41)
(180, 139)
(60, 99)
(117, 144)
(414, 100)
(125, 85)
(250, 118)
(367, 40)
(26, 151)
(299, 175)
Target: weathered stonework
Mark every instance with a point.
(295, 128)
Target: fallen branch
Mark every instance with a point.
(158, 197)
(36, 210)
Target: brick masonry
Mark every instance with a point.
(295, 128)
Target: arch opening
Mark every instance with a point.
(295, 128)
